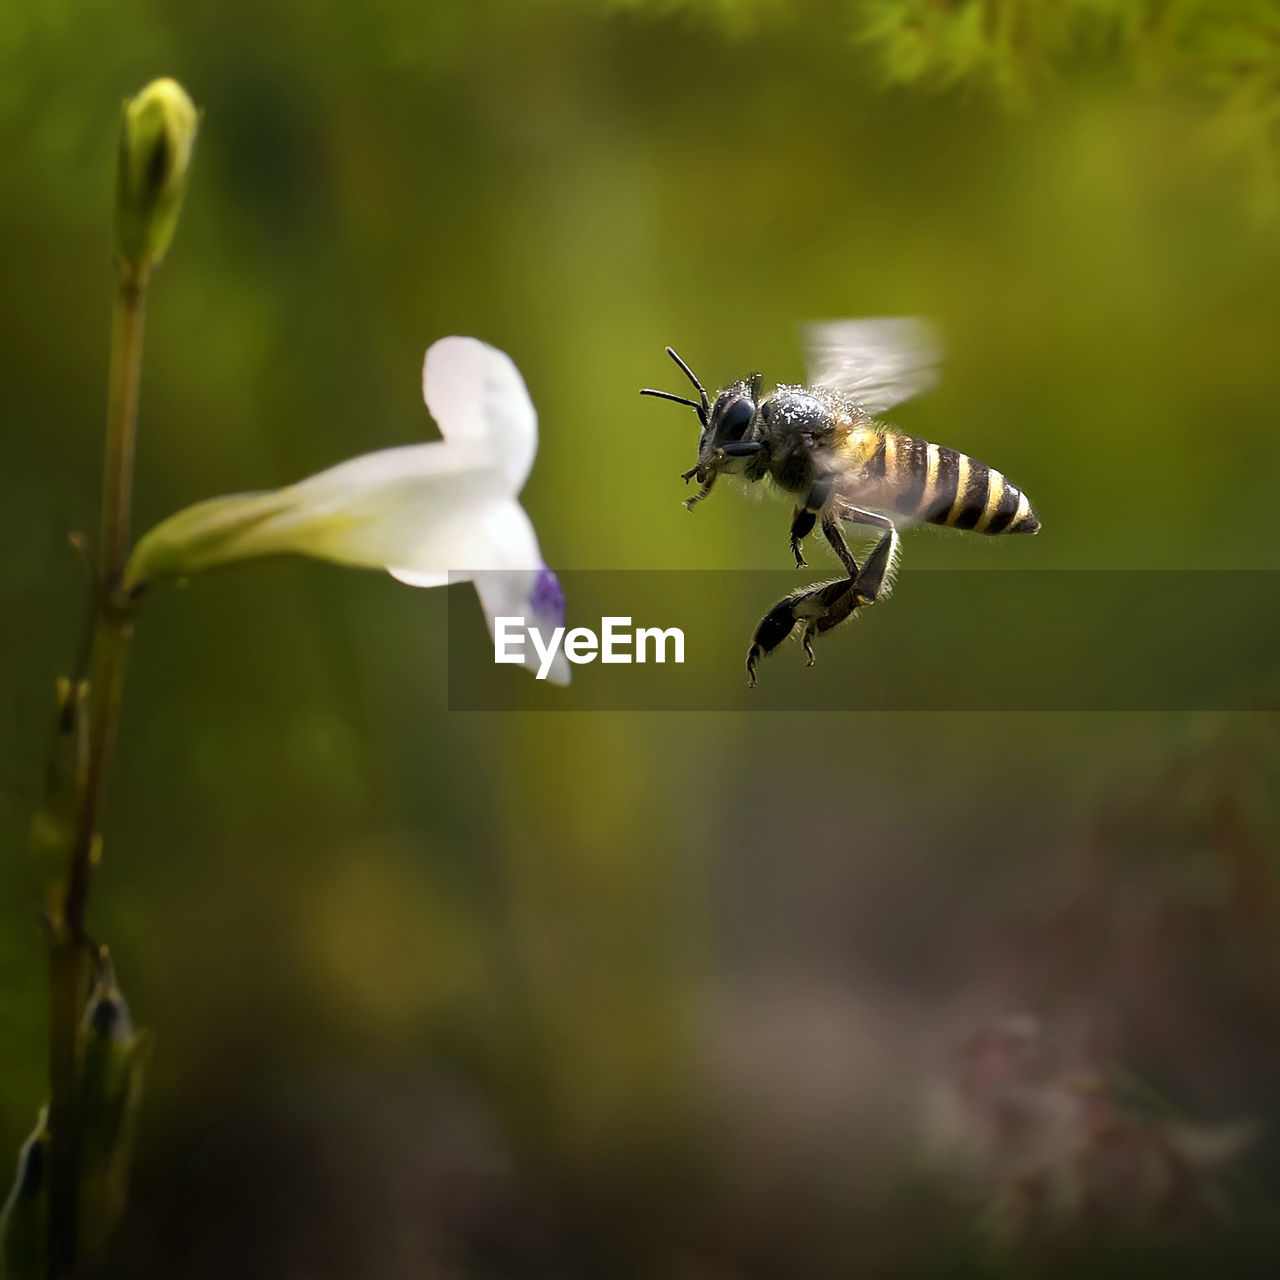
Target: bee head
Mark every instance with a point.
(729, 426)
(729, 437)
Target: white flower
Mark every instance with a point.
(427, 513)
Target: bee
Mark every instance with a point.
(823, 444)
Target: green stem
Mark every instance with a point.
(122, 422)
(113, 627)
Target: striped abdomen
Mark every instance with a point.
(930, 482)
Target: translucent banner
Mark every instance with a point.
(943, 641)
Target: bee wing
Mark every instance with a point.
(878, 363)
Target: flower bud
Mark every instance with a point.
(24, 1219)
(112, 1062)
(155, 158)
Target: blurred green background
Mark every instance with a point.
(666, 994)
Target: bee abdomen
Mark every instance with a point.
(942, 486)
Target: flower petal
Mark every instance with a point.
(416, 505)
(514, 593)
(505, 564)
(478, 398)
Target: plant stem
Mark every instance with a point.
(122, 423)
(113, 627)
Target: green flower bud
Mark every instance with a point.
(155, 158)
(24, 1220)
(113, 1062)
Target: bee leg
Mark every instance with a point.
(802, 523)
(827, 605)
(870, 579)
(831, 527)
(804, 518)
(773, 629)
(835, 602)
(707, 485)
(822, 607)
(819, 608)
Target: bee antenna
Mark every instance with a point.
(668, 395)
(705, 411)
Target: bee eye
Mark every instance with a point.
(737, 417)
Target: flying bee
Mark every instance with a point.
(823, 444)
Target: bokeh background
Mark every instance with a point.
(667, 994)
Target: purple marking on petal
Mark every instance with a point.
(548, 598)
